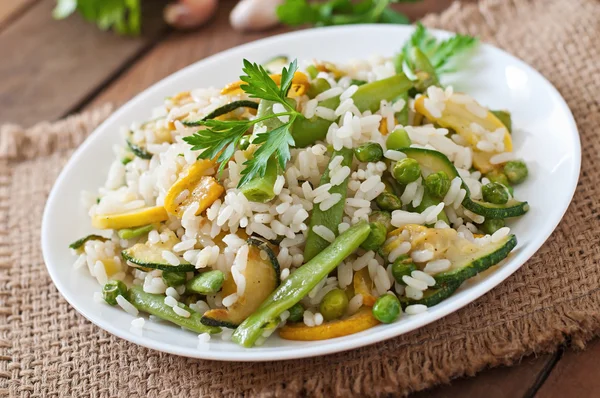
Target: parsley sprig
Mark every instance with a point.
(444, 55)
(221, 138)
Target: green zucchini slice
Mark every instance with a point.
(467, 265)
(437, 161)
(276, 64)
(148, 255)
(78, 244)
(230, 107)
(262, 277)
(432, 296)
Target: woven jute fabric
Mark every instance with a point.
(47, 349)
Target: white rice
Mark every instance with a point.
(127, 306)
(324, 233)
(415, 309)
(436, 266)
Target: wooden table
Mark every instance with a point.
(50, 69)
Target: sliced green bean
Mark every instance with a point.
(209, 282)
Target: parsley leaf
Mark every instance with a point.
(443, 55)
(124, 16)
(339, 12)
(276, 143)
(221, 138)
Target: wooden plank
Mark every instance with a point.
(50, 66)
(10, 8)
(575, 375)
(500, 382)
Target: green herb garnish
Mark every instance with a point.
(124, 16)
(443, 55)
(339, 12)
(222, 137)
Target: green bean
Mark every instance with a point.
(369, 152)
(387, 308)
(332, 217)
(406, 170)
(260, 189)
(491, 225)
(423, 70)
(174, 279)
(376, 237)
(495, 193)
(402, 116)
(112, 289)
(209, 282)
(398, 139)
(516, 171)
(312, 71)
(154, 304)
(130, 233)
(317, 87)
(368, 97)
(505, 118)
(300, 283)
(334, 304)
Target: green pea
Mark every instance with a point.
(388, 201)
(376, 237)
(244, 142)
(402, 266)
(499, 177)
(296, 313)
(382, 217)
(369, 152)
(437, 184)
(406, 170)
(112, 289)
(130, 233)
(317, 87)
(334, 304)
(516, 171)
(312, 71)
(387, 308)
(495, 193)
(398, 139)
(174, 279)
(491, 225)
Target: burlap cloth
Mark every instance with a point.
(47, 349)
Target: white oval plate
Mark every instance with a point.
(546, 137)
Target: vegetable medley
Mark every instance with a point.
(312, 199)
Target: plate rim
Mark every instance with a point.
(338, 344)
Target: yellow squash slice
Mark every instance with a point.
(130, 219)
(458, 117)
(202, 189)
(262, 277)
(299, 79)
(358, 322)
(364, 285)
